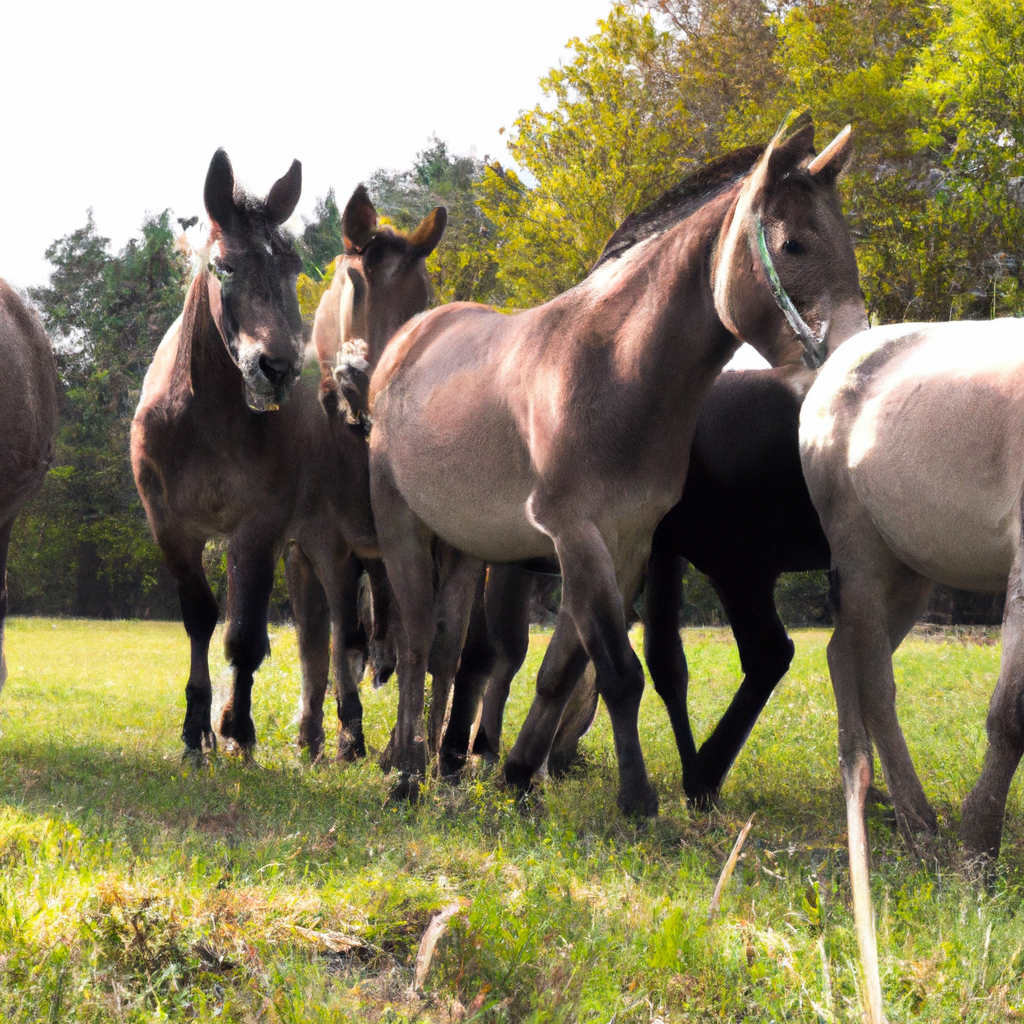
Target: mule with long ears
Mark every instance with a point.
(28, 421)
(224, 445)
(565, 430)
(912, 445)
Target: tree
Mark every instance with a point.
(615, 133)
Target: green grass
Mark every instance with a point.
(136, 888)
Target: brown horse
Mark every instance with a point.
(28, 421)
(380, 281)
(224, 445)
(565, 430)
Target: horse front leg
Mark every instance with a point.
(383, 645)
(663, 646)
(5, 543)
(765, 654)
(981, 824)
(593, 597)
(183, 556)
(405, 543)
(313, 630)
(251, 562)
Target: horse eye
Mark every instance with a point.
(792, 246)
(223, 268)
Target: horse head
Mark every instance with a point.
(784, 273)
(393, 265)
(252, 287)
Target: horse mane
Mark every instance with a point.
(681, 201)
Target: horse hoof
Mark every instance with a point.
(407, 790)
(451, 764)
(351, 748)
(701, 799)
(642, 804)
(519, 776)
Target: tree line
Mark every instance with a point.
(935, 200)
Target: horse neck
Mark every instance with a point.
(203, 369)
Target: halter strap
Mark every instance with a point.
(814, 346)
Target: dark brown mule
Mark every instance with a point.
(565, 430)
(213, 455)
(380, 281)
(28, 422)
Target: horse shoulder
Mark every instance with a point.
(417, 335)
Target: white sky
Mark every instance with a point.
(119, 106)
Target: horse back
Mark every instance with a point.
(919, 428)
(29, 412)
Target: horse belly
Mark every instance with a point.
(938, 463)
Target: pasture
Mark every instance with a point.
(137, 887)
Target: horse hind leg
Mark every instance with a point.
(475, 667)
(981, 826)
(246, 642)
(507, 606)
(341, 581)
(313, 630)
(577, 718)
(458, 579)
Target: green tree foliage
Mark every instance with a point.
(935, 195)
(463, 267)
(614, 134)
(83, 546)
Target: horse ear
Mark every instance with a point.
(834, 158)
(359, 220)
(283, 197)
(219, 190)
(798, 146)
(428, 232)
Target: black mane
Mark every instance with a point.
(680, 201)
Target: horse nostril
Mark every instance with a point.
(275, 370)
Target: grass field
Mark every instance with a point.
(136, 888)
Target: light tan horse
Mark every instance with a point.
(565, 430)
(28, 421)
(912, 443)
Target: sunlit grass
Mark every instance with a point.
(135, 887)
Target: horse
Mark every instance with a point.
(744, 518)
(380, 281)
(913, 450)
(28, 422)
(564, 431)
(228, 441)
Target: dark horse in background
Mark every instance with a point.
(228, 441)
(565, 430)
(28, 421)
(744, 518)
